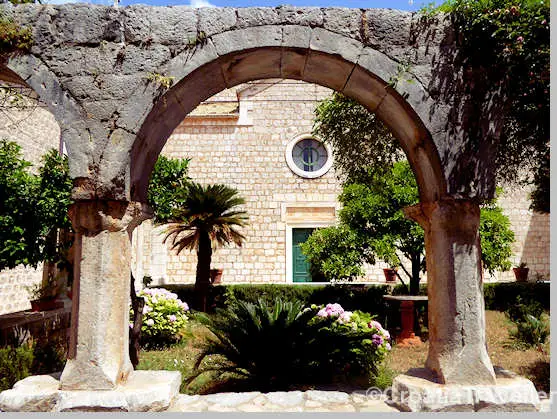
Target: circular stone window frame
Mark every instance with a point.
(300, 172)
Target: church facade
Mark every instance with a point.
(256, 138)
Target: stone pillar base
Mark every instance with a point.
(144, 391)
(417, 391)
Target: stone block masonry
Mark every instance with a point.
(245, 148)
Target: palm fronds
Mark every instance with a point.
(265, 346)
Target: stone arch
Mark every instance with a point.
(329, 59)
(113, 142)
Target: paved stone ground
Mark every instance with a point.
(293, 401)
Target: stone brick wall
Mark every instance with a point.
(247, 151)
(249, 154)
(34, 128)
(532, 235)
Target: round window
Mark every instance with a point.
(308, 157)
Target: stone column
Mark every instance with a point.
(457, 342)
(98, 358)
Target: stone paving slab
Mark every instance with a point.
(294, 401)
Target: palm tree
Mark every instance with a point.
(206, 220)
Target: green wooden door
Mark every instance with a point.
(301, 267)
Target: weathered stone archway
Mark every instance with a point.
(94, 66)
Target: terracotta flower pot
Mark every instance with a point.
(390, 274)
(46, 304)
(521, 274)
(216, 276)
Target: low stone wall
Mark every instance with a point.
(13, 288)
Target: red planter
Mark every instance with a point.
(46, 304)
(216, 276)
(390, 274)
(521, 274)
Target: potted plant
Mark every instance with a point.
(390, 274)
(216, 276)
(44, 296)
(521, 272)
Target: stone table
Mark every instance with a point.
(407, 336)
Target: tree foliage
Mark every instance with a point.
(372, 225)
(358, 135)
(508, 43)
(32, 206)
(167, 184)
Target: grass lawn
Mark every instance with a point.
(531, 363)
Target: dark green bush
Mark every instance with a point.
(531, 321)
(49, 355)
(532, 331)
(259, 346)
(276, 346)
(364, 297)
(500, 296)
(15, 364)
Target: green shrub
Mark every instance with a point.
(531, 321)
(499, 296)
(384, 377)
(261, 346)
(518, 311)
(532, 331)
(278, 346)
(49, 355)
(15, 364)
(164, 315)
(348, 346)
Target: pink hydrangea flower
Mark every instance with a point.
(520, 39)
(388, 346)
(345, 317)
(374, 324)
(172, 318)
(147, 309)
(322, 313)
(334, 309)
(184, 306)
(150, 322)
(377, 340)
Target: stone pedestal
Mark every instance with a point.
(98, 357)
(417, 391)
(407, 336)
(144, 391)
(456, 316)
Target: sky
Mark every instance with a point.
(393, 4)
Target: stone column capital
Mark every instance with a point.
(452, 215)
(94, 216)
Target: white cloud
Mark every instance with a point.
(201, 3)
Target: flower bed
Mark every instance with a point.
(353, 344)
(164, 315)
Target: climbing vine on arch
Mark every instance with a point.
(508, 42)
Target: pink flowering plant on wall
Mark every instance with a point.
(352, 343)
(164, 315)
